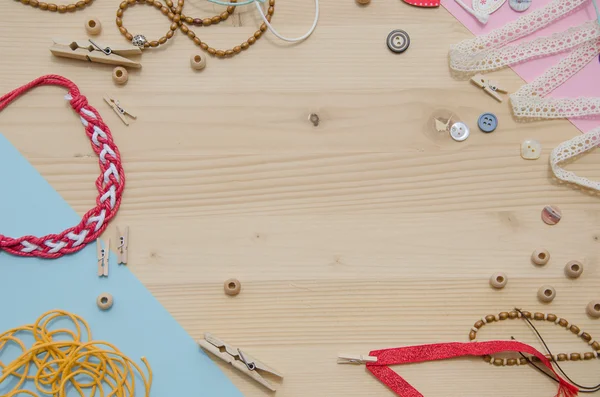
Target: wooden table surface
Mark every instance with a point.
(367, 231)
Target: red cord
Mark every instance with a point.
(110, 183)
(442, 351)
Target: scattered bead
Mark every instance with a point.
(198, 62)
(498, 280)
(551, 215)
(232, 287)
(93, 27)
(540, 256)
(573, 269)
(593, 309)
(120, 75)
(546, 293)
(104, 301)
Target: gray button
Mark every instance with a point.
(398, 41)
(459, 131)
(519, 5)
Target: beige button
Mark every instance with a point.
(198, 61)
(546, 293)
(551, 215)
(104, 301)
(531, 149)
(459, 131)
(593, 309)
(93, 27)
(120, 75)
(232, 287)
(498, 280)
(540, 256)
(573, 269)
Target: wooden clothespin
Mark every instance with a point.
(92, 52)
(355, 359)
(119, 110)
(489, 86)
(238, 359)
(103, 254)
(123, 245)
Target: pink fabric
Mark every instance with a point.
(584, 83)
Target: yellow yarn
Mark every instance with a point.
(73, 360)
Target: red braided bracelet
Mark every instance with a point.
(110, 183)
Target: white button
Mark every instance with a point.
(459, 131)
(531, 149)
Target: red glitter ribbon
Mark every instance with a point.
(443, 351)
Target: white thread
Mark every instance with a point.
(557, 320)
(111, 170)
(484, 320)
(106, 149)
(481, 17)
(519, 314)
(580, 333)
(111, 192)
(97, 131)
(88, 113)
(474, 329)
(78, 238)
(546, 316)
(29, 247)
(595, 354)
(99, 219)
(293, 39)
(55, 246)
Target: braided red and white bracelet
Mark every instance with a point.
(110, 183)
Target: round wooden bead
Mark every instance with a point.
(498, 280)
(93, 26)
(546, 293)
(232, 287)
(120, 75)
(198, 61)
(540, 256)
(593, 309)
(573, 269)
(104, 301)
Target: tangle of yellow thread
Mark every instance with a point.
(68, 359)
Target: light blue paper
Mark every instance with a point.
(137, 323)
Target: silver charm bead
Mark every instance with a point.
(139, 40)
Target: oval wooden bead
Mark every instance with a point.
(162, 40)
(575, 357)
(251, 40)
(206, 22)
(215, 20)
(43, 6)
(123, 30)
(71, 8)
(79, 4)
(128, 36)
(62, 9)
(540, 256)
(593, 309)
(232, 287)
(478, 324)
(546, 293)
(511, 361)
(526, 314)
(198, 62)
(184, 28)
(104, 301)
(596, 346)
(191, 34)
(363, 2)
(230, 9)
(169, 34)
(551, 317)
(487, 358)
(562, 322)
(523, 361)
(513, 314)
(574, 329)
(237, 49)
(573, 269)
(220, 53)
(245, 45)
(211, 51)
(52, 7)
(120, 75)
(94, 27)
(257, 34)
(490, 318)
(228, 53)
(498, 280)
(561, 357)
(36, 3)
(498, 362)
(538, 316)
(586, 337)
(472, 335)
(197, 41)
(224, 15)
(153, 43)
(204, 46)
(588, 356)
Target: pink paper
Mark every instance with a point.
(584, 83)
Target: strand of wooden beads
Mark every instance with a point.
(57, 8)
(516, 314)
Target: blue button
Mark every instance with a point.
(487, 122)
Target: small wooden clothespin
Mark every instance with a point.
(489, 86)
(241, 361)
(103, 254)
(123, 245)
(119, 110)
(355, 359)
(92, 52)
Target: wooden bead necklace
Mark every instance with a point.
(490, 318)
(57, 8)
(180, 21)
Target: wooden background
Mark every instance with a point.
(368, 231)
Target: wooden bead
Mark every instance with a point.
(224, 15)
(169, 34)
(478, 324)
(153, 44)
(43, 6)
(184, 28)
(71, 8)
(593, 309)
(220, 53)
(513, 314)
(363, 2)
(540, 256)
(120, 13)
(562, 322)
(498, 280)
(586, 337)
(270, 11)
(174, 26)
(573, 269)
(472, 335)
(490, 318)
(62, 9)
(588, 356)
(197, 40)
(257, 34)
(232, 287)
(511, 361)
(526, 314)
(197, 21)
(263, 27)
(104, 301)
(36, 3)
(561, 357)
(538, 316)
(574, 329)
(52, 7)
(271, 2)
(189, 20)
(162, 40)
(575, 357)
(551, 317)
(228, 53)
(94, 27)
(123, 30)
(215, 20)
(206, 22)
(230, 9)
(498, 362)
(198, 62)
(211, 51)
(120, 75)
(204, 46)
(487, 358)
(237, 49)
(119, 22)
(79, 4)
(245, 45)
(522, 361)
(546, 293)
(123, 5)
(128, 36)
(551, 215)
(251, 40)
(191, 34)
(596, 346)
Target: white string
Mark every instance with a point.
(483, 18)
(293, 39)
